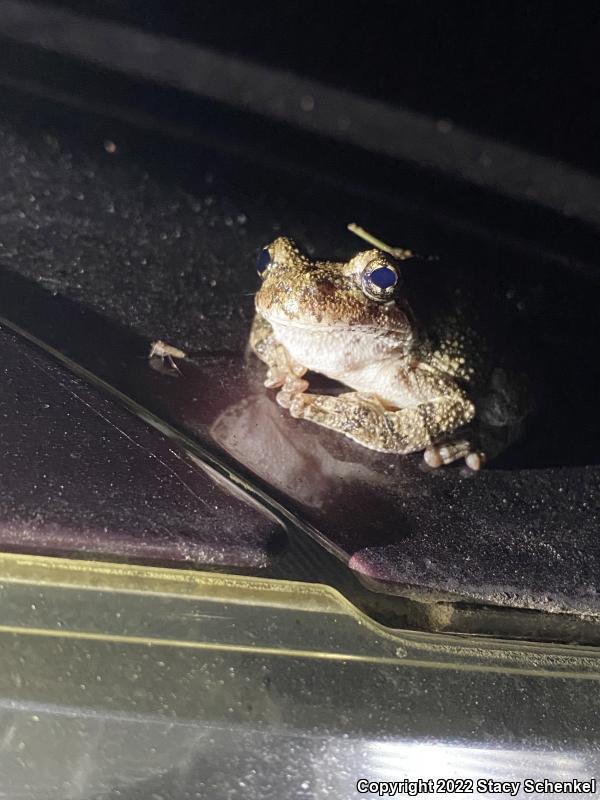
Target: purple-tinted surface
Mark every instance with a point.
(445, 534)
(442, 534)
(103, 254)
(82, 476)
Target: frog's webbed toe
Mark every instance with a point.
(438, 455)
(292, 387)
(289, 378)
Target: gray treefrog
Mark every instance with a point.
(418, 382)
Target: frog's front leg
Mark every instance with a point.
(367, 421)
(283, 370)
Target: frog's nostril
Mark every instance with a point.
(325, 287)
(263, 260)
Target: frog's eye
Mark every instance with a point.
(379, 281)
(263, 261)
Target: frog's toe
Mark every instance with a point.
(275, 378)
(438, 455)
(292, 389)
(475, 460)
(299, 405)
(298, 370)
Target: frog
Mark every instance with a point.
(390, 326)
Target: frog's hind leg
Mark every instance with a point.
(367, 421)
(482, 444)
(283, 370)
(500, 422)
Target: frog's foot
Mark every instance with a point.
(285, 375)
(438, 455)
(367, 421)
(291, 388)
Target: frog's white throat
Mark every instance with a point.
(339, 351)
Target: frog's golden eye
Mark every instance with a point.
(263, 262)
(379, 281)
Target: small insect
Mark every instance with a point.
(166, 352)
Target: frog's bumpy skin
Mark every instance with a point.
(408, 395)
(367, 422)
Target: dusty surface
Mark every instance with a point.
(158, 240)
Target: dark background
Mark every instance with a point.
(524, 72)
